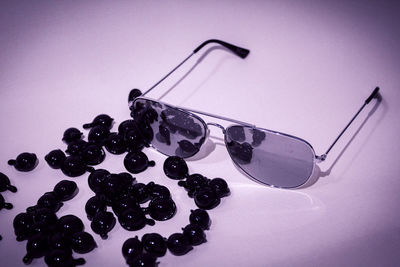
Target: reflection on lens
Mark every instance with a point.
(236, 134)
(186, 148)
(241, 152)
(164, 135)
(271, 158)
(176, 132)
(258, 137)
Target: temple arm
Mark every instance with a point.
(373, 95)
(239, 51)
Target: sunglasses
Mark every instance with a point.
(271, 158)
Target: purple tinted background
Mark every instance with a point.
(311, 65)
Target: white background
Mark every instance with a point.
(310, 68)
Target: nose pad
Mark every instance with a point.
(217, 125)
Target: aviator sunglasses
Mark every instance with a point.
(271, 158)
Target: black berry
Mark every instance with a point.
(175, 168)
(82, 242)
(55, 158)
(195, 234)
(102, 223)
(100, 120)
(66, 190)
(201, 218)
(69, 224)
(71, 135)
(178, 244)
(132, 249)
(24, 162)
(136, 162)
(5, 184)
(154, 244)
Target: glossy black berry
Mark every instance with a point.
(97, 179)
(133, 140)
(125, 126)
(73, 166)
(24, 162)
(127, 178)
(93, 154)
(146, 132)
(55, 158)
(62, 258)
(41, 228)
(82, 242)
(50, 200)
(69, 224)
(206, 198)
(178, 244)
(76, 148)
(113, 187)
(44, 215)
(140, 193)
(4, 204)
(195, 234)
(66, 190)
(220, 187)
(95, 205)
(201, 218)
(5, 184)
(100, 120)
(132, 249)
(36, 247)
(58, 240)
(98, 134)
(157, 191)
(144, 260)
(133, 219)
(150, 115)
(161, 209)
(22, 225)
(175, 168)
(71, 135)
(193, 182)
(134, 93)
(115, 144)
(102, 223)
(154, 244)
(136, 162)
(128, 202)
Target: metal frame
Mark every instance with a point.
(192, 112)
(243, 53)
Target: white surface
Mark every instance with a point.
(310, 68)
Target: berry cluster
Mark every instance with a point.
(82, 155)
(145, 252)
(207, 193)
(5, 185)
(49, 236)
(57, 238)
(124, 195)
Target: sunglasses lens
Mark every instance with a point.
(271, 158)
(172, 131)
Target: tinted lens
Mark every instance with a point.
(271, 158)
(170, 130)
